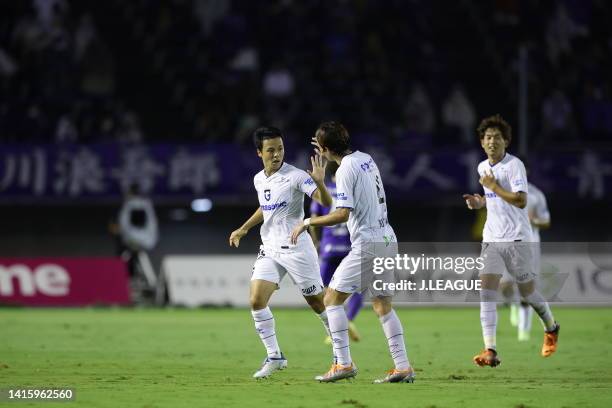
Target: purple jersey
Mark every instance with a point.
(335, 240)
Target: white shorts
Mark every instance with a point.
(302, 267)
(355, 272)
(536, 252)
(512, 260)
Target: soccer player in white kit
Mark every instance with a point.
(506, 237)
(281, 188)
(539, 217)
(361, 202)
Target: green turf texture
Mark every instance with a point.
(205, 358)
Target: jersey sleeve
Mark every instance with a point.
(345, 181)
(479, 171)
(518, 177)
(305, 183)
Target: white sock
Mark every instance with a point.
(264, 324)
(540, 305)
(488, 317)
(525, 314)
(325, 320)
(395, 338)
(338, 326)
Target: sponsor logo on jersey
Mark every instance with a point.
(368, 165)
(272, 207)
(309, 181)
(490, 195)
(267, 194)
(309, 290)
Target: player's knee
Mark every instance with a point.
(257, 302)
(381, 306)
(333, 298)
(490, 281)
(327, 298)
(526, 289)
(316, 303)
(507, 289)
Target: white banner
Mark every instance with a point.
(219, 280)
(223, 280)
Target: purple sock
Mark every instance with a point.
(353, 306)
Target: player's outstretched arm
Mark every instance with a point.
(517, 199)
(315, 232)
(236, 235)
(338, 216)
(474, 201)
(321, 194)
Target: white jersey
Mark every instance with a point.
(359, 187)
(537, 207)
(505, 222)
(281, 199)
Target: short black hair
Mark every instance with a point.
(333, 136)
(495, 122)
(263, 133)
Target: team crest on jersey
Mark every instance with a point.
(267, 194)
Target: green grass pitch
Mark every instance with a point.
(205, 358)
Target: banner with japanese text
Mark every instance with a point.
(94, 173)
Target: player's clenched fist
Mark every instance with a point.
(473, 201)
(234, 239)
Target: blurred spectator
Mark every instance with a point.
(560, 31)
(278, 88)
(597, 113)
(458, 113)
(507, 12)
(66, 130)
(86, 33)
(129, 131)
(98, 78)
(557, 116)
(246, 59)
(418, 112)
(208, 12)
(246, 124)
(137, 232)
(47, 11)
(8, 66)
(278, 82)
(138, 222)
